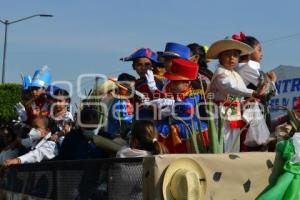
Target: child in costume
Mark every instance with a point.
(38, 104)
(176, 130)
(120, 115)
(142, 61)
(250, 70)
(229, 89)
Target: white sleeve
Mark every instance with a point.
(249, 75)
(46, 151)
(224, 83)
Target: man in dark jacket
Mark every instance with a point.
(78, 144)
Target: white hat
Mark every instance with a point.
(227, 44)
(184, 179)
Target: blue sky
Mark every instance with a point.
(90, 36)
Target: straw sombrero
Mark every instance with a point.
(227, 44)
(184, 179)
(105, 87)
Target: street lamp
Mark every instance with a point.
(6, 23)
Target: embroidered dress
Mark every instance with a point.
(229, 89)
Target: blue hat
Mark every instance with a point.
(142, 53)
(51, 90)
(41, 78)
(176, 50)
(26, 82)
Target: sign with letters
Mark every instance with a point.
(288, 88)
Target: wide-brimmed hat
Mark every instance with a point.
(142, 53)
(107, 86)
(175, 50)
(184, 179)
(227, 44)
(182, 69)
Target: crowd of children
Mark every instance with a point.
(163, 110)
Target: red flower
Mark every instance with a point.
(240, 37)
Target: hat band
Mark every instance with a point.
(40, 82)
(170, 53)
(179, 76)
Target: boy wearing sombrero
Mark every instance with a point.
(176, 130)
(229, 89)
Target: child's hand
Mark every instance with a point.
(150, 80)
(67, 128)
(272, 76)
(251, 99)
(261, 90)
(10, 162)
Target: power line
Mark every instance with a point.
(281, 38)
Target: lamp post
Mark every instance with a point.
(6, 23)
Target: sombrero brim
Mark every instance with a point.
(106, 87)
(182, 163)
(224, 45)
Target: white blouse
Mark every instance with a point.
(127, 152)
(249, 72)
(227, 83)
